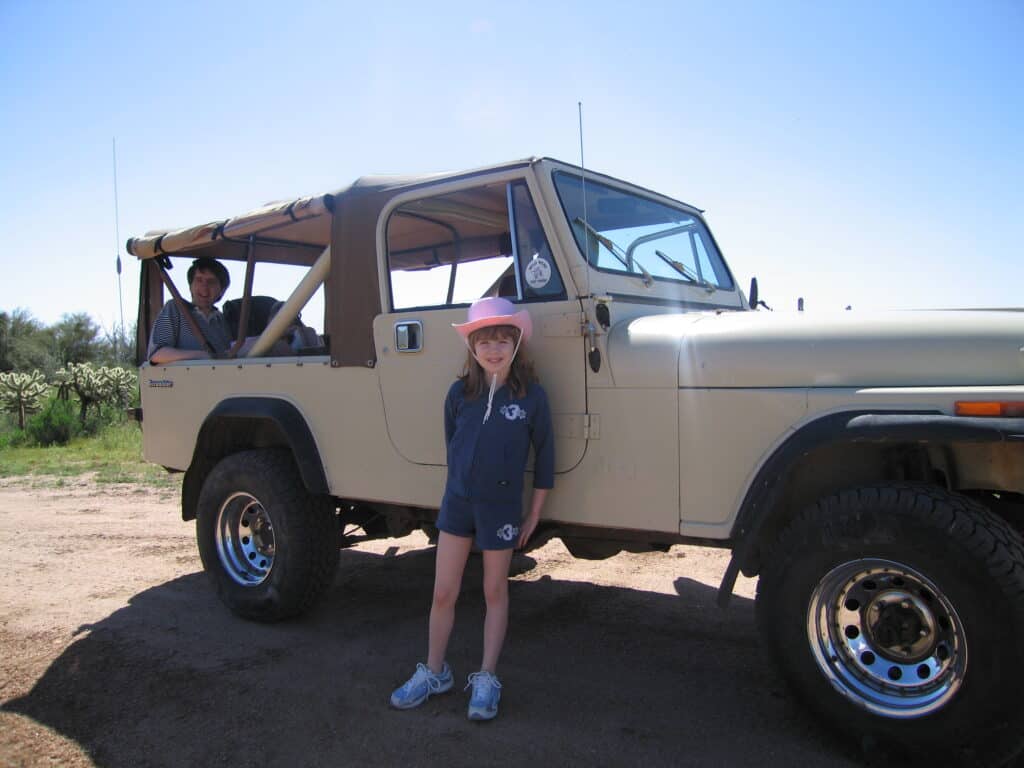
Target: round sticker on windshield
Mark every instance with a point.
(538, 273)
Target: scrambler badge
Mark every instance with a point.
(538, 273)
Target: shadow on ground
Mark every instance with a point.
(594, 675)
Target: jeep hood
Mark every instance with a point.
(848, 349)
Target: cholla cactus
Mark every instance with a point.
(63, 382)
(86, 382)
(22, 393)
(119, 385)
(95, 386)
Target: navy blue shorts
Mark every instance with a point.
(493, 525)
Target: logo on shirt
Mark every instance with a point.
(513, 412)
(507, 532)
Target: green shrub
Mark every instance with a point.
(12, 438)
(55, 425)
(98, 419)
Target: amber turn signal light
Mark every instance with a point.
(989, 408)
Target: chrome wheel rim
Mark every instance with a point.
(887, 638)
(245, 539)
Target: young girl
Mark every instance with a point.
(492, 414)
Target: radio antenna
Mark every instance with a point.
(583, 186)
(117, 249)
(588, 328)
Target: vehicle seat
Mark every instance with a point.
(302, 339)
(260, 312)
(507, 286)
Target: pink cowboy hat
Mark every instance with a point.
(494, 311)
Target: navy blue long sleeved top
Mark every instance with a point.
(487, 461)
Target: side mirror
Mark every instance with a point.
(756, 302)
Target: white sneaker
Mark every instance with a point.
(483, 703)
(421, 686)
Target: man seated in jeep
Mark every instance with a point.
(173, 338)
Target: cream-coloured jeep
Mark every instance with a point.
(870, 468)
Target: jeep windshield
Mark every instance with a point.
(623, 232)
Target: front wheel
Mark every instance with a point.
(269, 547)
(897, 613)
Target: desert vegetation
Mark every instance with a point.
(65, 395)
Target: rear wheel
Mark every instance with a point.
(898, 614)
(269, 547)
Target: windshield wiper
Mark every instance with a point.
(617, 252)
(683, 270)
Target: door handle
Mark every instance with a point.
(409, 336)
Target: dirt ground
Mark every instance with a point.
(115, 652)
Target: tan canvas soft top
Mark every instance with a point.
(298, 221)
(298, 232)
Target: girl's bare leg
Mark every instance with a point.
(452, 553)
(496, 565)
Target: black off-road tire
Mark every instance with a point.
(269, 547)
(897, 614)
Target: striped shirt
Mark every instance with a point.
(173, 330)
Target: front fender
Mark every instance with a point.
(913, 427)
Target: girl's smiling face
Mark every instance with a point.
(493, 351)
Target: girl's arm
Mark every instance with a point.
(532, 517)
(449, 415)
(542, 435)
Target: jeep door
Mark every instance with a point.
(444, 247)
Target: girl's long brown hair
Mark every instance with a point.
(520, 375)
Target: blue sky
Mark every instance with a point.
(862, 153)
